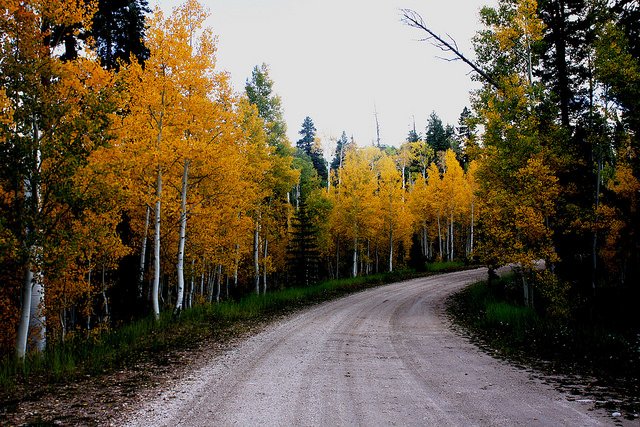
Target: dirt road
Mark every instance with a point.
(385, 356)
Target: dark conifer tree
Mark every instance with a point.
(307, 146)
(308, 133)
(413, 136)
(118, 29)
(341, 151)
(436, 134)
(304, 255)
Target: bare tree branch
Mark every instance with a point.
(414, 20)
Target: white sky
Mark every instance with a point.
(333, 60)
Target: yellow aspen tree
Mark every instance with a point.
(423, 154)
(59, 112)
(154, 122)
(437, 201)
(391, 202)
(418, 202)
(355, 201)
(472, 186)
(454, 195)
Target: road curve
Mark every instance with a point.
(384, 356)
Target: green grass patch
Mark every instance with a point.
(142, 339)
(444, 266)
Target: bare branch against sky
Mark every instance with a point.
(333, 60)
(414, 20)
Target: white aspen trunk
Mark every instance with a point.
(368, 271)
(143, 252)
(192, 284)
(354, 270)
(439, 238)
(525, 289)
(105, 300)
(218, 279)
(32, 317)
(183, 238)
(256, 256)
(155, 288)
(38, 321)
(156, 238)
(63, 323)
(337, 259)
(264, 266)
(594, 241)
(25, 314)
(451, 237)
(235, 270)
(391, 250)
(202, 281)
(472, 225)
(211, 276)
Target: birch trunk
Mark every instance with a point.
(183, 237)
(143, 252)
(156, 250)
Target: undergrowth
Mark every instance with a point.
(124, 346)
(573, 344)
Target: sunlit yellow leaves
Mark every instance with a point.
(625, 183)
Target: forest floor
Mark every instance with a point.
(99, 400)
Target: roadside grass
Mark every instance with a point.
(444, 266)
(570, 345)
(128, 344)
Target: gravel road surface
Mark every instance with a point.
(385, 356)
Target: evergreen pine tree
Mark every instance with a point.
(308, 133)
(304, 255)
(341, 151)
(308, 145)
(436, 135)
